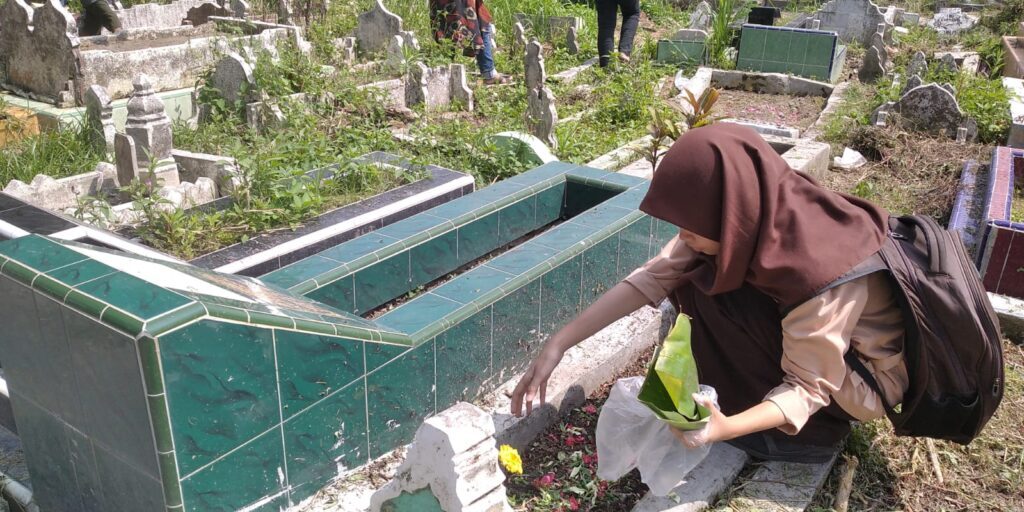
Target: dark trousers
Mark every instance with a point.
(97, 15)
(607, 16)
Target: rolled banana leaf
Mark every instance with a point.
(672, 380)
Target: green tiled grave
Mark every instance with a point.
(680, 53)
(169, 386)
(814, 54)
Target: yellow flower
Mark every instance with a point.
(510, 460)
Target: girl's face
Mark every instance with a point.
(699, 243)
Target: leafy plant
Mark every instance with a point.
(720, 34)
(700, 109)
(58, 153)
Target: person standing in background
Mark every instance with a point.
(97, 15)
(468, 24)
(607, 16)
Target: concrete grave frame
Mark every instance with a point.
(307, 390)
(1000, 254)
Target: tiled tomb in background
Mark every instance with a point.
(172, 387)
(809, 53)
(267, 252)
(1001, 247)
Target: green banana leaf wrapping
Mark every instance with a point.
(672, 380)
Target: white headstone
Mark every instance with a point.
(534, 65)
(232, 76)
(460, 91)
(100, 116)
(395, 54)
(541, 115)
(690, 34)
(700, 18)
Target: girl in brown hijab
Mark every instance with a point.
(765, 265)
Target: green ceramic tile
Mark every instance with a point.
(602, 216)
(306, 268)
(455, 209)
(172, 319)
(244, 477)
(39, 253)
(418, 314)
(412, 226)
(817, 72)
(776, 45)
(359, 247)
(270, 320)
(470, 286)
(798, 48)
(564, 236)
(164, 441)
(516, 319)
(133, 295)
(549, 204)
(85, 303)
(771, 66)
(546, 171)
(749, 64)
(221, 394)
(623, 180)
(422, 500)
(77, 273)
(377, 354)
(121, 320)
(434, 258)
(44, 441)
(110, 389)
(400, 395)
(663, 232)
(523, 259)
(50, 286)
(36, 358)
(634, 245)
(600, 269)
(560, 295)
(19, 272)
(326, 439)
(752, 42)
(125, 488)
(228, 313)
(313, 326)
(381, 282)
(498, 192)
(463, 359)
(82, 459)
(580, 197)
(819, 51)
(517, 219)
(311, 367)
(478, 238)
(339, 294)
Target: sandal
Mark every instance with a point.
(497, 80)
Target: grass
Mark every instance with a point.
(56, 154)
(895, 473)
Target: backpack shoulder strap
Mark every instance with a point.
(872, 264)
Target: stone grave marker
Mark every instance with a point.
(232, 76)
(853, 20)
(570, 41)
(700, 18)
(541, 115)
(100, 117)
(346, 47)
(459, 90)
(931, 108)
(912, 82)
(534, 65)
(519, 35)
(396, 54)
(948, 63)
(200, 14)
(124, 159)
(375, 29)
(952, 21)
(284, 12)
(918, 64)
(690, 35)
(150, 129)
(436, 88)
(872, 69)
(240, 8)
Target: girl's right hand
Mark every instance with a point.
(535, 380)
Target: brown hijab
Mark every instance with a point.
(779, 231)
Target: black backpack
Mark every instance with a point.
(953, 347)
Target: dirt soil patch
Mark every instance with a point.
(907, 172)
(559, 469)
(792, 111)
(895, 473)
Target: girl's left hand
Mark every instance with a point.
(717, 428)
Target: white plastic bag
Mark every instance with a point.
(629, 436)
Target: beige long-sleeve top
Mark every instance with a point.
(861, 314)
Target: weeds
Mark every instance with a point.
(720, 35)
(57, 154)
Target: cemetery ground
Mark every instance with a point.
(330, 110)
